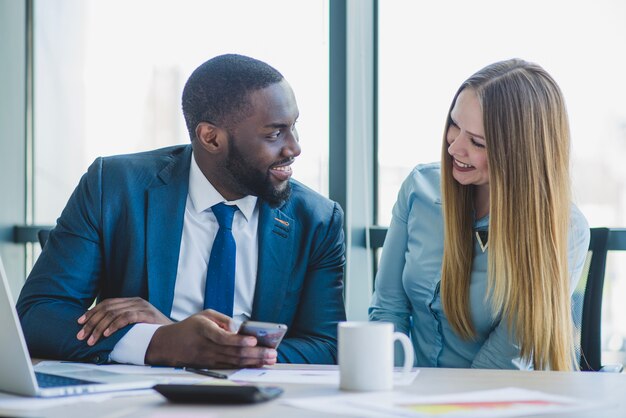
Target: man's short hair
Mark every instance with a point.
(217, 91)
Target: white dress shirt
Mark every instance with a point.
(199, 230)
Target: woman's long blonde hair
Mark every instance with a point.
(527, 136)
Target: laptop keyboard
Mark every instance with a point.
(45, 380)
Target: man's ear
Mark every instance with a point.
(213, 139)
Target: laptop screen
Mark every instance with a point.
(16, 370)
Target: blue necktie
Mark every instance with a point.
(219, 293)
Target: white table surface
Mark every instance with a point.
(606, 388)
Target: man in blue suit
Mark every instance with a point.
(177, 243)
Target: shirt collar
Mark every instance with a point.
(203, 195)
(481, 223)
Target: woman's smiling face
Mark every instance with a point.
(466, 141)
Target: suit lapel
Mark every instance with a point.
(276, 245)
(164, 227)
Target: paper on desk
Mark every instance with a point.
(14, 403)
(159, 374)
(49, 365)
(179, 414)
(311, 376)
(507, 402)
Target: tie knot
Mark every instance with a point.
(224, 214)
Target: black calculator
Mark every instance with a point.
(218, 394)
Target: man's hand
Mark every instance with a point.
(205, 340)
(112, 314)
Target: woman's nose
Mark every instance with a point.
(455, 146)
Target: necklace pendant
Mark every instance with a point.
(482, 237)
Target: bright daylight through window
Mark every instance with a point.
(109, 76)
(444, 42)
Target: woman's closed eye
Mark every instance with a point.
(476, 143)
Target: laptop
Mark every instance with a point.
(60, 379)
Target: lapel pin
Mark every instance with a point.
(282, 222)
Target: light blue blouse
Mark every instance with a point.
(408, 279)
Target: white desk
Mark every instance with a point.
(592, 386)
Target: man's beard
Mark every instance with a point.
(254, 182)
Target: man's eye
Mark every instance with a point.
(274, 134)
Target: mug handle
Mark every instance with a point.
(407, 347)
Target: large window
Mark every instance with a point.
(427, 49)
(109, 76)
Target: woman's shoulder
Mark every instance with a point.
(427, 170)
(421, 188)
(579, 233)
(424, 179)
(578, 222)
(424, 175)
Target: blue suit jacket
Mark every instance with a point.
(120, 234)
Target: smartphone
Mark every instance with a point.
(268, 334)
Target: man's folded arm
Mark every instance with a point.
(64, 281)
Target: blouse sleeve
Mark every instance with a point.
(500, 352)
(390, 302)
(578, 242)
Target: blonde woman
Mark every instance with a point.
(485, 249)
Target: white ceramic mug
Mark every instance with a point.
(366, 355)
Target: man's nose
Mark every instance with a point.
(292, 145)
